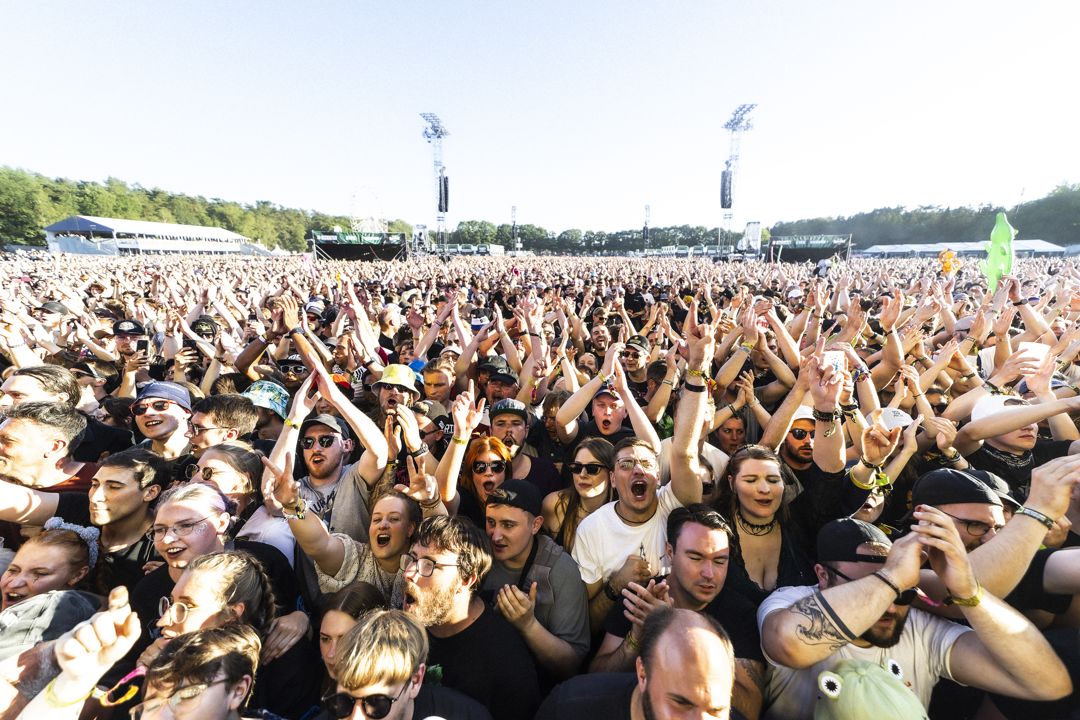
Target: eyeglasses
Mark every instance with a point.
(324, 441)
(628, 464)
(630, 355)
(200, 429)
(425, 566)
(293, 369)
(157, 405)
(181, 529)
(179, 610)
(976, 528)
(905, 597)
(181, 696)
(479, 468)
(589, 468)
(800, 433)
(375, 706)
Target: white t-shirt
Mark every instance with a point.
(265, 528)
(922, 655)
(603, 541)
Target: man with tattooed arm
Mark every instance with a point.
(860, 609)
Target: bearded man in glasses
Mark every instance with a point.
(381, 666)
(479, 652)
(860, 610)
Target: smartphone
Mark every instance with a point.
(142, 346)
(252, 317)
(190, 344)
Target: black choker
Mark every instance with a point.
(632, 522)
(750, 528)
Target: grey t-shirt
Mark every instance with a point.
(562, 604)
(342, 506)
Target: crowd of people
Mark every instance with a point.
(537, 488)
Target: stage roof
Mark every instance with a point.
(88, 224)
(1039, 246)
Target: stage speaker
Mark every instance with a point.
(725, 190)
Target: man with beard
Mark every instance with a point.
(860, 610)
(334, 489)
(685, 670)
(698, 545)
(510, 423)
(535, 584)
(635, 359)
(479, 653)
(121, 494)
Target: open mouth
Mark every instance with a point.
(489, 486)
(638, 488)
(391, 403)
(410, 598)
(382, 539)
(605, 425)
(10, 598)
(316, 460)
(151, 423)
(174, 552)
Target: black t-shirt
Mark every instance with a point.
(100, 440)
(1016, 469)
(596, 696)
(736, 613)
(489, 662)
(116, 568)
(825, 496)
(591, 429)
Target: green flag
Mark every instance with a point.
(999, 256)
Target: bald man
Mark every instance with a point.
(686, 668)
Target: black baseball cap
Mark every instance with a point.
(839, 541)
(947, 486)
(521, 494)
(331, 421)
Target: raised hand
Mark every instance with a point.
(278, 484)
(91, 647)
(422, 487)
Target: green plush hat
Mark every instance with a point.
(856, 689)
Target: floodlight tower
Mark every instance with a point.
(737, 125)
(434, 134)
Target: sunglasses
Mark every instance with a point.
(905, 598)
(375, 707)
(479, 468)
(291, 369)
(157, 405)
(589, 468)
(325, 441)
(800, 434)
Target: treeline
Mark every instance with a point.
(1054, 218)
(29, 202)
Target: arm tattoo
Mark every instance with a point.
(753, 670)
(818, 628)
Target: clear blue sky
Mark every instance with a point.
(578, 112)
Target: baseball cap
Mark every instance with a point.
(521, 494)
(494, 364)
(506, 375)
(431, 409)
(167, 391)
(998, 485)
(54, 307)
(204, 325)
(331, 421)
(803, 412)
(451, 349)
(508, 406)
(640, 342)
(839, 541)
(947, 486)
(128, 327)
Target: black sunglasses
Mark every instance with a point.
(158, 405)
(375, 706)
(481, 467)
(589, 468)
(325, 441)
(904, 598)
(800, 433)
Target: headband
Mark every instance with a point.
(88, 535)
